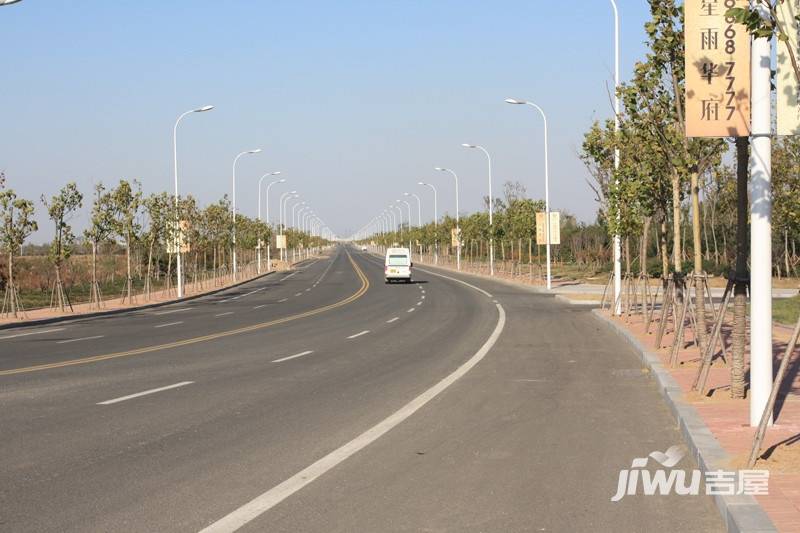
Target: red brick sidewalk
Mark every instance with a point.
(728, 419)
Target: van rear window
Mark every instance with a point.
(398, 260)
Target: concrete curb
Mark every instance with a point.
(742, 514)
(112, 312)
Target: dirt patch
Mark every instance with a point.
(783, 458)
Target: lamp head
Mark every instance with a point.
(465, 145)
(420, 183)
(204, 108)
(440, 169)
(257, 150)
(514, 101)
(283, 180)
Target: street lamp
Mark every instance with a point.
(233, 205)
(179, 264)
(393, 216)
(435, 221)
(269, 241)
(617, 240)
(259, 212)
(281, 221)
(458, 230)
(546, 181)
(419, 207)
(299, 228)
(288, 220)
(491, 208)
(8, 2)
(408, 206)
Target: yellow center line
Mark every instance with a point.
(205, 338)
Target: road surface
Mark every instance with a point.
(325, 400)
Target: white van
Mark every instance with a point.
(397, 265)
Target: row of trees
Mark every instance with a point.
(686, 185)
(122, 220)
(513, 231)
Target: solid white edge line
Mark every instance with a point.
(458, 281)
(81, 339)
(40, 332)
(168, 324)
(358, 334)
(295, 356)
(145, 393)
(259, 505)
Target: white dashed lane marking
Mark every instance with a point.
(295, 356)
(358, 334)
(81, 339)
(168, 324)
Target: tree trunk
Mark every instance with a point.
(699, 286)
(643, 247)
(129, 282)
(676, 220)
(714, 235)
(707, 251)
(149, 266)
(11, 290)
(664, 252)
(741, 275)
(786, 250)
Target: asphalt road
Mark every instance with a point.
(325, 400)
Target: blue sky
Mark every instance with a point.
(354, 101)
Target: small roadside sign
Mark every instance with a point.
(555, 228)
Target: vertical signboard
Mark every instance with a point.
(717, 70)
(555, 228)
(280, 242)
(454, 235)
(788, 88)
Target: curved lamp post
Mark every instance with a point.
(435, 221)
(233, 205)
(546, 181)
(259, 213)
(491, 206)
(179, 265)
(458, 229)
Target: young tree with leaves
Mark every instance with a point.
(16, 225)
(61, 207)
(125, 203)
(98, 232)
